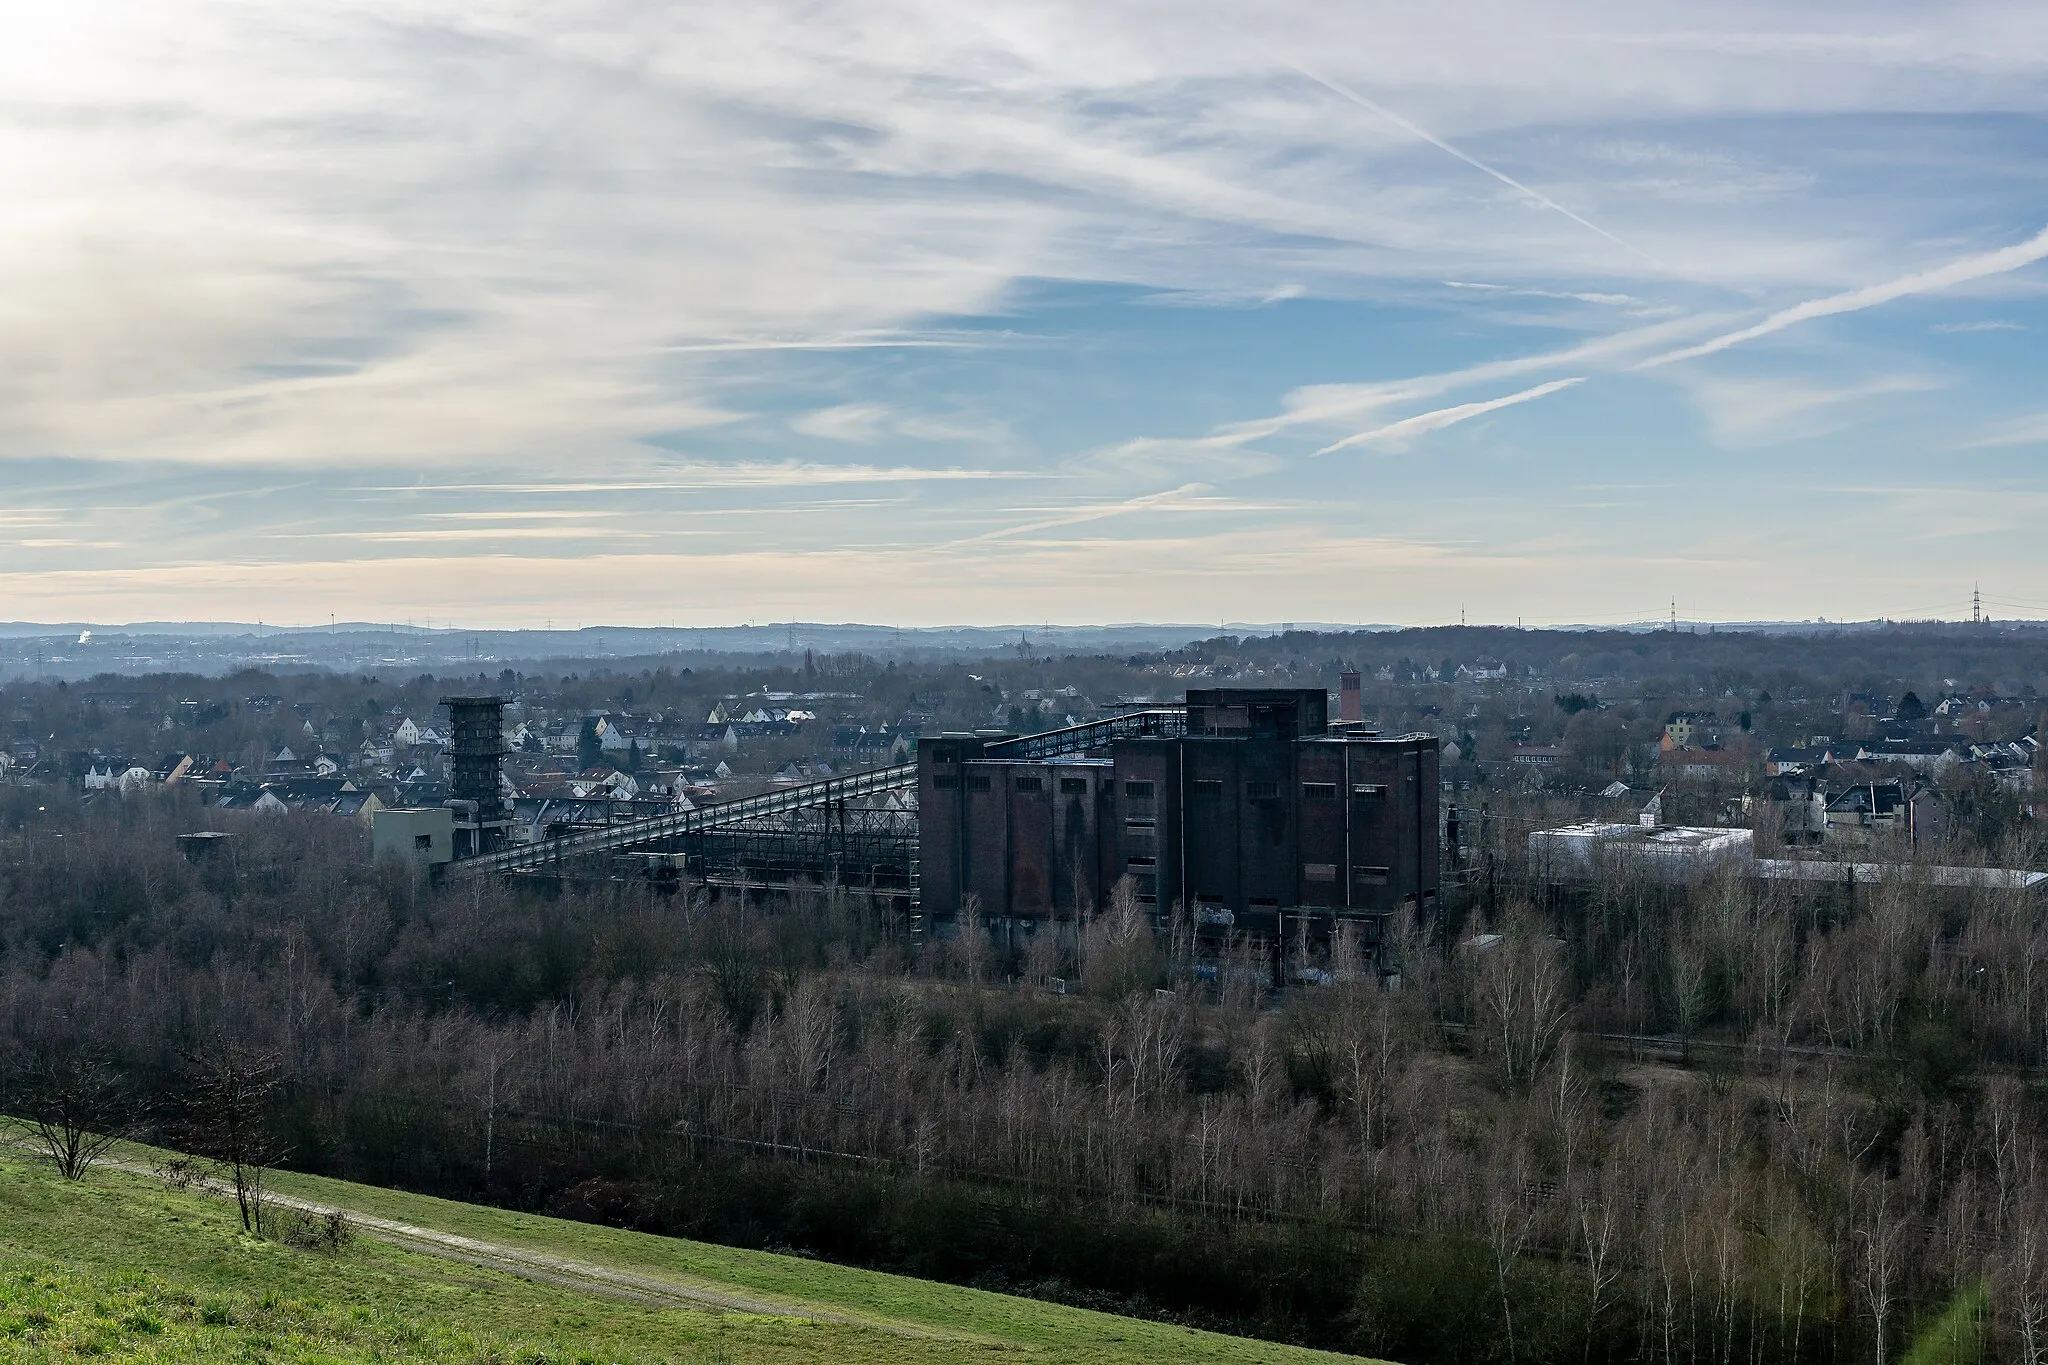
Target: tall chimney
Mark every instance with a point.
(1350, 701)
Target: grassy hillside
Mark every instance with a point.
(118, 1267)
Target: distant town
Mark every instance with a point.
(1605, 719)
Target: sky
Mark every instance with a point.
(498, 315)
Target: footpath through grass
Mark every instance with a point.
(119, 1268)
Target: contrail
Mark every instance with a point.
(1869, 296)
(1444, 417)
(1474, 162)
(1083, 514)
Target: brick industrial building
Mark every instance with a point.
(1258, 817)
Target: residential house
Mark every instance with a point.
(257, 800)
(356, 805)
(537, 818)
(1795, 761)
(1801, 803)
(1875, 805)
(1684, 729)
(859, 746)
(607, 783)
(712, 738)
(2010, 763)
(1932, 755)
(1710, 762)
(801, 770)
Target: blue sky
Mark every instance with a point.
(920, 313)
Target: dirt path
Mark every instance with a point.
(653, 1291)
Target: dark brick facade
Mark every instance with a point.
(1260, 810)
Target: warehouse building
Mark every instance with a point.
(1257, 818)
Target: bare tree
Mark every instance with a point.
(1521, 1001)
(1507, 1219)
(971, 947)
(229, 1087)
(2020, 1276)
(1042, 954)
(1688, 957)
(71, 1102)
(1599, 1210)
(1878, 1254)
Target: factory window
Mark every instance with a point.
(1265, 903)
(1208, 898)
(978, 782)
(1144, 862)
(1261, 791)
(423, 842)
(1138, 791)
(1208, 786)
(1372, 789)
(1319, 791)
(1370, 876)
(1146, 900)
(1319, 872)
(945, 753)
(946, 782)
(1030, 784)
(1073, 786)
(1141, 822)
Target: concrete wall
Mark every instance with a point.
(425, 836)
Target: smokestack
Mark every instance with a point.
(1350, 700)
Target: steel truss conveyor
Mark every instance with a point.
(757, 824)
(664, 830)
(1158, 721)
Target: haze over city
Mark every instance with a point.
(498, 316)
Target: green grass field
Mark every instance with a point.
(118, 1267)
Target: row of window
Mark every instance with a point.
(1270, 791)
(1141, 865)
(1143, 791)
(980, 782)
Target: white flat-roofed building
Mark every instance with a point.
(1666, 853)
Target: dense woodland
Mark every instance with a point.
(1745, 1121)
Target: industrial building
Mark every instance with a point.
(1252, 814)
(1686, 855)
(1245, 810)
(476, 758)
(1670, 854)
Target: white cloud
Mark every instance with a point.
(1765, 410)
(700, 477)
(1979, 266)
(327, 233)
(560, 243)
(859, 423)
(2027, 431)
